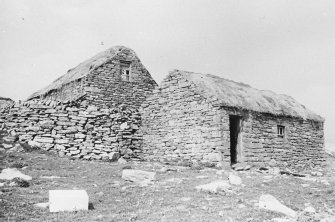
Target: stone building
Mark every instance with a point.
(91, 112)
(205, 118)
(110, 78)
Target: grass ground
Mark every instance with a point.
(172, 197)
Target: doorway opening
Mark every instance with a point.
(235, 123)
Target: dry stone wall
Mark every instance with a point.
(302, 145)
(5, 102)
(105, 86)
(180, 124)
(77, 129)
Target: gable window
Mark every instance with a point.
(281, 131)
(125, 70)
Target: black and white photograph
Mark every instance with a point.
(167, 110)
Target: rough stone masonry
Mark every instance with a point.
(91, 112)
(189, 117)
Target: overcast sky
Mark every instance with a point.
(284, 46)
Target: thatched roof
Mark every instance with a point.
(5, 102)
(240, 95)
(81, 70)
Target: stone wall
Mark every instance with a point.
(5, 102)
(76, 129)
(301, 146)
(68, 92)
(105, 87)
(179, 123)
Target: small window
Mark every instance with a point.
(281, 131)
(125, 68)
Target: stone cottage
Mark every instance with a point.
(110, 78)
(205, 118)
(91, 112)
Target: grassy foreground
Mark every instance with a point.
(172, 197)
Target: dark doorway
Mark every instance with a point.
(235, 137)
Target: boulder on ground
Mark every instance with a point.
(269, 202)
(234, 179)
(215, 186)
(67, 200)
(11, 173)
(140, 177)
(241, 166)
(42, 205)
(122, 161)
(113, 156)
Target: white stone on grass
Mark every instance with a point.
(67, 200)
(42, 205)
(215, 186)
(140, 177)
(234, 179)
(51, 177)
(310, 209)
(269, 202)
(11, 173)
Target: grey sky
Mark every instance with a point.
(285, 46)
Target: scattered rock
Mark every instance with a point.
(42, 205)
(310, 209)
(68, 200)
(167, 169)
(100, 194)
(11, 173)
(175, 180)
(274, 171)
(234, 179)
(140, 177)
(215, 186)
(19, 182)
(272, 163)
(263, 169)
(201, 177)
(122, 161)
(316, 173)
(113, 156)
(269, 202)
(7, 146)
(126, 167)
(51, 177)
(241, 167)
(34, 144)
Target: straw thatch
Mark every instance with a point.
(239, 95)
(81, 70)
(5, 102)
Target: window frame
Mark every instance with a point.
(125, 70)
(281, 131)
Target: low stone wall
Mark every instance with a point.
(77, 130)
